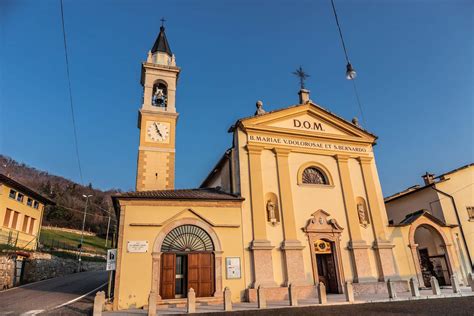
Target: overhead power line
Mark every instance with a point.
(70, 96)
(350, 74)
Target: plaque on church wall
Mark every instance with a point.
(232, 267)
(137, 246)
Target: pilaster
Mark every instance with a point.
(291, 246)
(155, 279)
(261, 247)
(382, 247)
(256, 193)
(358, 247)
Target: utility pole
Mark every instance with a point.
(82, 233)
(107, 236)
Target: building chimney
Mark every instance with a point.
(304, 96)
(428, 178)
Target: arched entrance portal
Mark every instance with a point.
(187, 261)
(324, 235)
(432, 255)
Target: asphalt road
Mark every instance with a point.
(459, 306)
(47, 295)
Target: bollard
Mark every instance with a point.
(455, 284)
(262, 303)
(470, 281)
(435, 286)
(392, 293)
(293, 295)
(227, 300)
(99, 301)
(415, 291)
(349, 291)
(191, 301)
(322, 293)
(152, 304)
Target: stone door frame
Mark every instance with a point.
(156, 254)
(320, 227)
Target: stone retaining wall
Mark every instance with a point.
(7, 271)
(40, 266)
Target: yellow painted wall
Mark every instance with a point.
(460, 185)
(306, 200)
(426, 199)
(25, 239)
(135, 269)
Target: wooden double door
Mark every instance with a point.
(182, 271)
(327, 271)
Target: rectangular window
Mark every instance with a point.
(470, 212)
(29, 202)
(24, 228)
(8, 215)
(20, 197)
(12, 194)
(32, 225)
(15, 219)
(36, 205)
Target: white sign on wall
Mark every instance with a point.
(232, 267)
(111, 259)
(137, 246)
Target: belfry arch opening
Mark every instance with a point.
(159, 96)
(433, 259)
(187, 261)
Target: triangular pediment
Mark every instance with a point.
(190, 212)
(308, 119)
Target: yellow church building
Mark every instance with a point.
(295, 200)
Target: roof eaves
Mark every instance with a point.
(454, 170)
(26, 190)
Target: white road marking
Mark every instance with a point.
(32, 312)
(77, 298)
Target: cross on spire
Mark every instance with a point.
(302, 76)
(163, 22)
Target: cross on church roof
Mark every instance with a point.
(301, 75)
(161, 43)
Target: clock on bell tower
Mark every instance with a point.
(157, 118)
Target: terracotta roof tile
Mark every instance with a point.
(182, 194)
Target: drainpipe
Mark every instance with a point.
(459, 223)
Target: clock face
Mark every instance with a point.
(157, 131)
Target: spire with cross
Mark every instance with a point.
(302, 76)
(161, 43)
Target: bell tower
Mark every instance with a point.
(157, 118)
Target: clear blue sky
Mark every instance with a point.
(414, 60)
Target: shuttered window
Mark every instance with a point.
(32, 225)
(26, 219)
(7, 217)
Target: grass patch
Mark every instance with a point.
(67, 240)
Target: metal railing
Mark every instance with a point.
(13, 239)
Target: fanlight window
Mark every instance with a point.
(187, 238)
(313, 175)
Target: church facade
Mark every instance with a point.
(295, 200)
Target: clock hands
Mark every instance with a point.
(157, 130)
